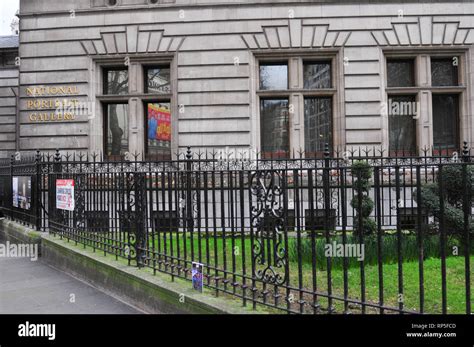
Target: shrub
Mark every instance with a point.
(361, 173)
(453, 193)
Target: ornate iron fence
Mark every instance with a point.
(21, 188)
(354, 232)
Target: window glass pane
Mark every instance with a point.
(9, 59)
(317, 75)
(317, 124)
(400, 73)
(274, 127)
(444, 72)
(159, 131)
(116, 82)
(158, 80)
(402, 124)
(445, 121)
(273, 76)
(117, 129)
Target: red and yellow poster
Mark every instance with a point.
(159, 123)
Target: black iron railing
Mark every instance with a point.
(353, 232)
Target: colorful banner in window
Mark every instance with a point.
(159, 123)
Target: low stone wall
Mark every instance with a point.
(19, 234)
(138, 287)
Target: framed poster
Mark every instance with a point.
(159, 123)
(65, 194)
(197, 276)
(21, 189)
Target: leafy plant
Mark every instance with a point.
(361, 202)
(454, 190)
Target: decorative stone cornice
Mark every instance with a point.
(423, 31)
(296, 34)
(134, 39)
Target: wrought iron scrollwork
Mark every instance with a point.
(140, 217)
(79, 210)
(270, 252)
(133, 218)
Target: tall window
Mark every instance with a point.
(275, 140)
(402, 124)
(317, 109)
(158, 118)
(317, 124)
(445, 122)
(402, 108)
(275, 132)
(158, 121)
(444, 74)
(404, 102)
(116, 125)
(116, 113)
(307, 102)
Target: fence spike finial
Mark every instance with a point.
(465, 149)
(57, 155)
(189, 155)
(326, 150)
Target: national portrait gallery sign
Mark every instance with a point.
(52, 103)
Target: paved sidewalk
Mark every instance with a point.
(28, 287)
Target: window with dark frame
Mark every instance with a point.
(316, 106)
(158, 117)
(445, 122)
(157, 79)
(274, 76)
(115, 81)
(116, 130)
(157, 111)
(275, 132)
(445, 105)
(446, 92)
(444, 71)
(116, 112)
(317, 75)
(400, 72)
(318, 118)
(158, 136)
(317, 124)
(402, 124)
(7, 59)
(402, 108)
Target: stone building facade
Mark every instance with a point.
(8, 94)
(153, 77)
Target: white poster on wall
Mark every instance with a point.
(65, 195)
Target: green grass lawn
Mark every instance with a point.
(234, 255)
(455, 280)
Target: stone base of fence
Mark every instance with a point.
(19, 234)
(138, 287)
